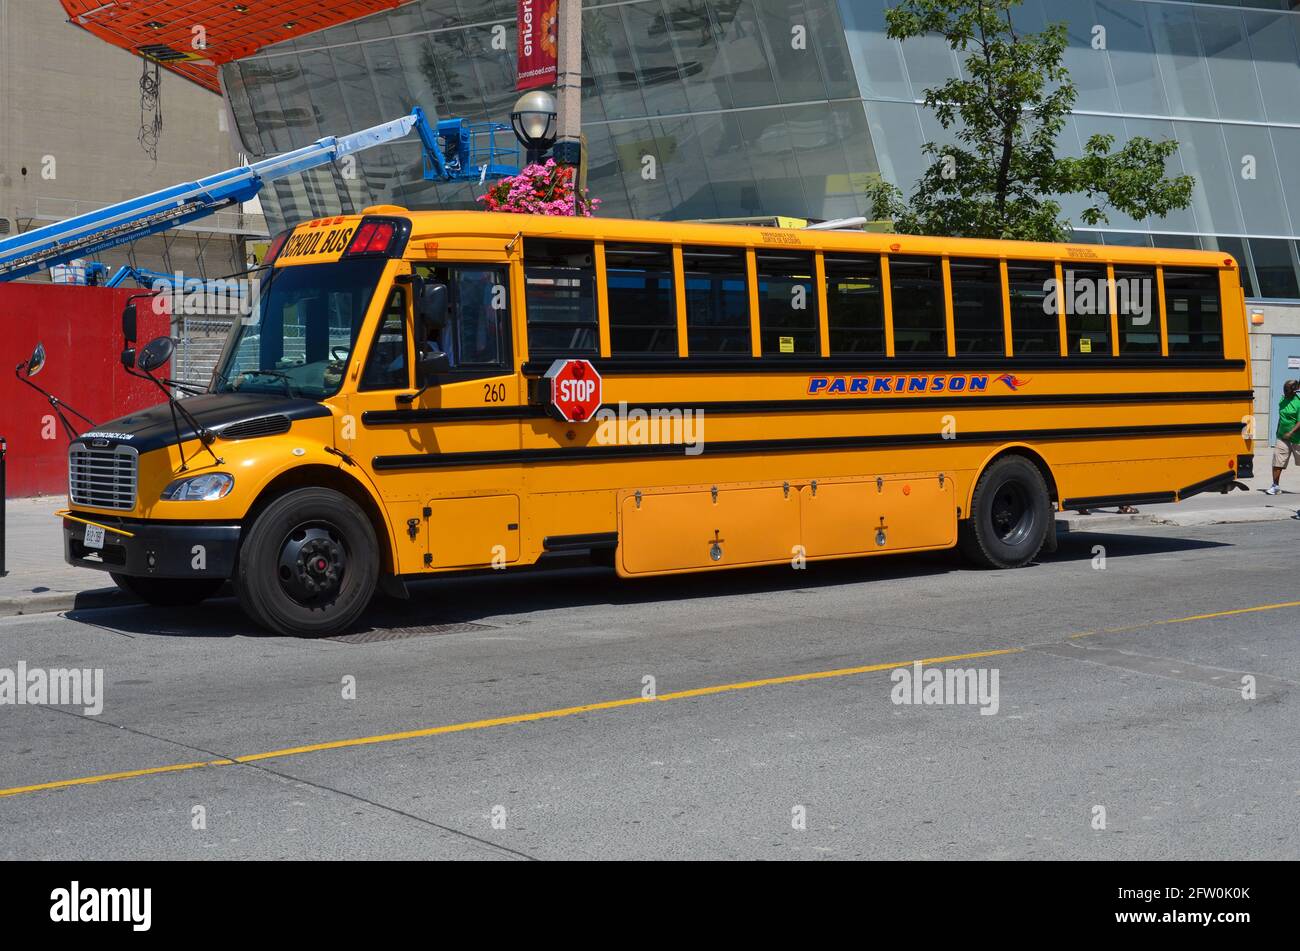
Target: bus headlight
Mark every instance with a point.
(202, 488)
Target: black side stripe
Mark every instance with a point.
(403, 417)
(875, 363)
(1107, 501)
(498, 457)
(1212, 484)
(586, 542)
(815, 404)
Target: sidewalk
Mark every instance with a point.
(39, 581)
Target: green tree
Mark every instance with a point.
(1008, 108)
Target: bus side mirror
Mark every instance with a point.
(156, 353)
(37, 363)
(431, 363)
(129, 316)
(431, 307)
(431, 315)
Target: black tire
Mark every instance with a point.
(168, 592)
(1011, 513)
(309, 564)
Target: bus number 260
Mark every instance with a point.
(494, 392)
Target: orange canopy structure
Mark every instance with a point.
(194, 37)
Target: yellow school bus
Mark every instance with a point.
(762, 396)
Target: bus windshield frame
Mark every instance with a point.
(300, 339)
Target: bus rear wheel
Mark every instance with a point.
(309, 564)
(168, 592)
(1010, 515)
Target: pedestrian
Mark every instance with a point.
(1288, 423)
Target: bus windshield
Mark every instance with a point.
(300, 340)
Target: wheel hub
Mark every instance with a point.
(1011, 514)
(312, 564)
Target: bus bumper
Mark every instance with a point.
(146, 550)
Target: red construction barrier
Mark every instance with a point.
(81, 328)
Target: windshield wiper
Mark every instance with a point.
(282, 377)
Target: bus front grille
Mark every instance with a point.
(103, 478)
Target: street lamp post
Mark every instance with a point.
(534, 122)
(568, 88)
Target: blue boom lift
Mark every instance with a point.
(98, 275)
(453, 150)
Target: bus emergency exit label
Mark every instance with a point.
(575, 390)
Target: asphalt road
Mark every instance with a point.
(1119, 692)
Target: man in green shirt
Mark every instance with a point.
(1288, 423)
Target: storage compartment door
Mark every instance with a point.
(890, 514)
(474, 532)
(700, 527)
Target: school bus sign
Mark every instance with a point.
(575, 390)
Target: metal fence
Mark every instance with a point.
(199, 339)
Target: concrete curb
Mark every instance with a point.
(47, 602)
(1188, 519)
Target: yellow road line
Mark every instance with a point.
(497, 721)
(824, 674)
(109, 777)
(595, 707)
(1193, 617)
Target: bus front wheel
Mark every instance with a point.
(1010, 514)
(308, 565)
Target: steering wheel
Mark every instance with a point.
(335, 351)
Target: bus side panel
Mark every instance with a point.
(1236, 321)
(707, 526)
(1139, 468)
(889, 514)
(727, 526)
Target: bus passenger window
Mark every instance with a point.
(1085, 296)
(560, 295)
(477, 333)
(386, 365)
(976, 306)
(642, 302)
(717, 301)
(1137, 304)
(855, 314)
(789, 319)
(1035, 324)
(916, 291)
(1192, 314)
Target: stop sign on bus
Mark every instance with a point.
(575, 390)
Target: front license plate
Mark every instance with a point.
(94, 537)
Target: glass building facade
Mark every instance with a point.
(723, 108)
